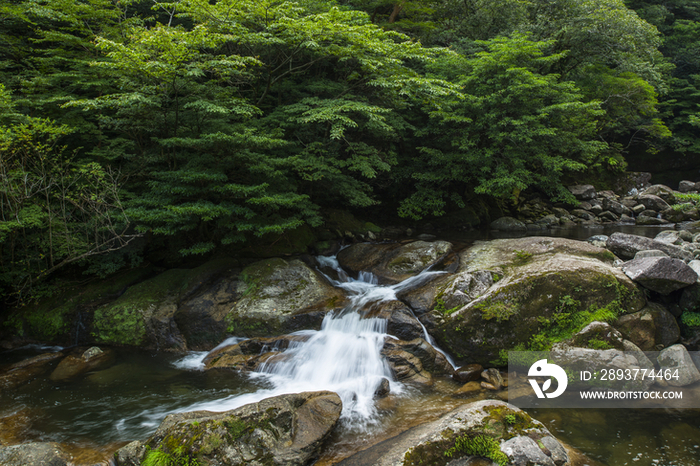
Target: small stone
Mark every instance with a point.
(686, 186)
(383, 389)
(493, 377)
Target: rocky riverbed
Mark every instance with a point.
(431, 317)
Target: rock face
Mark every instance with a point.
(511, 435)
(283, 430)
(626, 246)
(660, 274)
(280, 297)
(534, 278)
(392, 263)
(34, 454)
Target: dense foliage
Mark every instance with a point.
(199, 125)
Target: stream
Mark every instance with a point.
(106, 409)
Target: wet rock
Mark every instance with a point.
(248, 354)
(415, 361)
(35, 454)
(676, 357)
(24, 371)
(651, 328)
(280, 297)
(660, 274)
(468, 373)
(427, 443)
(401, 322)
(422, 297)
(383, 389)
(508, 224)
(406, 367)
(536, 276)
(583, 192)
(14, 427)
(392, 263)
(626, 246)
(493, 377)
(282, 430)
(76, 364)
(469, 389)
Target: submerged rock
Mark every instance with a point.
(286, 430)
(74, 365)
(23, 371)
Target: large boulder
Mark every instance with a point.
(286, 430)
(652, 202)
(659, 190)
(392, 263)
(482, 431)
(415, 361)
(280, 297)
(626, 246)
(535, 279)
(660, 274)
(508, 224)
(401, 322)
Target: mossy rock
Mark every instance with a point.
(549, 290)
(52, 319)
(279, 297)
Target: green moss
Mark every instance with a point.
(522, 257)
(161, 458)
(500, 310)
(691, 319)
(595, 343)
(236, 428)
(479, 445)
(369, 226)
(440, 307)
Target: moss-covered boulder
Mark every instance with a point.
(145, 314)
(545, 290)
(279, 296)
(286, 430)
(393, 262)
(62, 317)
(485, 430)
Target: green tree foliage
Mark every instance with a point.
(514, 129)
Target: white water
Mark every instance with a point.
(343, 357)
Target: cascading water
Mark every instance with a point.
(343, 357)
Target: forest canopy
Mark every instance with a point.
(202, 125)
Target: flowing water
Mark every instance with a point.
(108, 408)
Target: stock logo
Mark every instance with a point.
(543, 369)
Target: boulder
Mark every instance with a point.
(660, 274)
(652, 202)
(659, 190)
(646, 220)
(464, 288)
(583, 192)
(401, 322)
(608, 216)
(501, 428)
(676, 357)
(536, 278)
(669, 237)
(580, 213)
(415, 361)
(392, 263)
(686, 186)
(35, 454)
(616, 207)
(626, 246)
(468, 373)
(280, 297)
(81, 362)
(422, 297)
(598, 240)
(284, 430)
(248, 354)
(650, 329)
(508, 224)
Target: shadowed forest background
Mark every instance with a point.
(136, 131)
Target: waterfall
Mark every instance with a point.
(343, 357)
